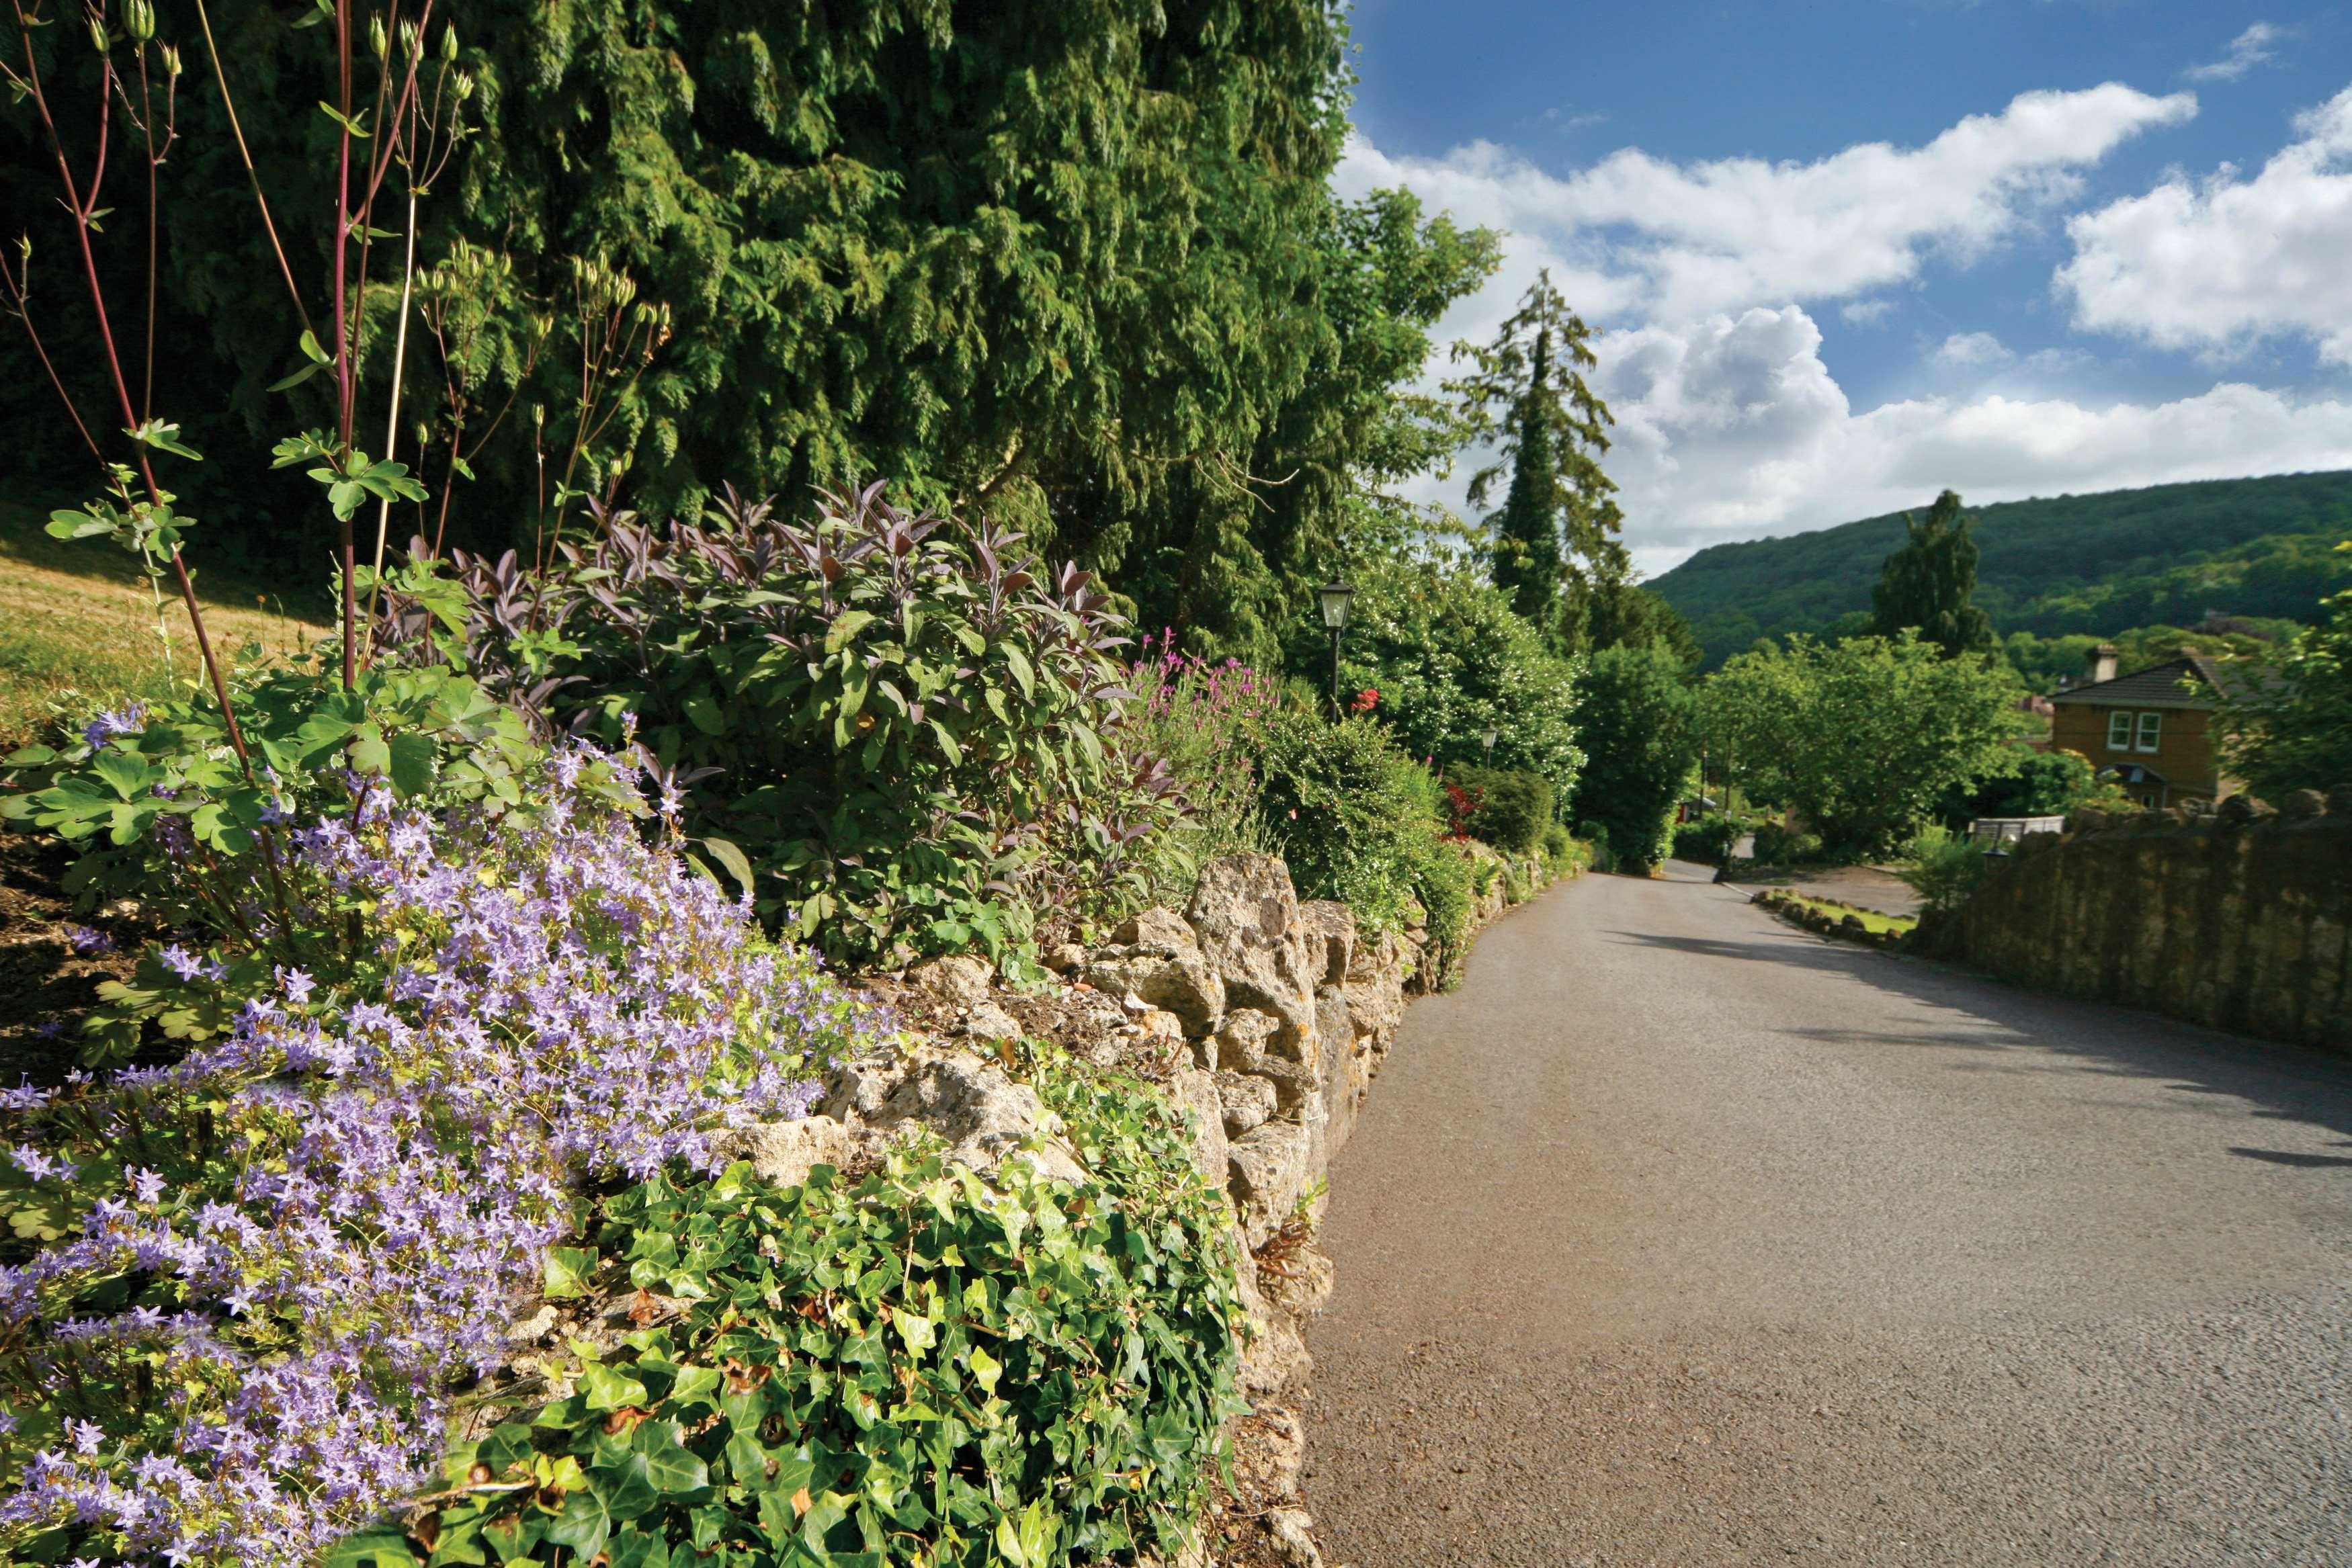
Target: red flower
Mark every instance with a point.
(1368, 699)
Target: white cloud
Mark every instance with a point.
(1635, 232)
(1866, 312)
(2247, 50)
(1732, 427)
(2226, 263)
(1967, 350)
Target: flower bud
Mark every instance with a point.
(97, 39)
(376, 39)
(171, 59)
(138, 19)
(449, 45)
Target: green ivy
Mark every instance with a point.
(923, 1367)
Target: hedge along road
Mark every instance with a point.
(1677, 1236)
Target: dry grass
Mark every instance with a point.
(78, 629)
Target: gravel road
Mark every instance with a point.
(1679, 1236)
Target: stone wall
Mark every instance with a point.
(2240, 918)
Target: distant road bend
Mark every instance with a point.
(1679, 1236)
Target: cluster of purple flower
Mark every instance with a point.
(547, 1000)
(106, 726)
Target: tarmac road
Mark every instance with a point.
(1680, 1236)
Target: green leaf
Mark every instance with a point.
(605, 1389)
(705, 716)
(846, 625)
(70, 525)
(583, 1525)
(383, 1547)
(566, 1272)
(674, 1469)
(412, 763)
(736, 863)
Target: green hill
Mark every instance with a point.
(2098, 565)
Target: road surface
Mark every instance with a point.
(1679, 1236)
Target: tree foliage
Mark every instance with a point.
(1638, 721)
(1927, 585)
(1449, 658)
(1074, 265)
(2291, 727)
(1526, 393)
(1614, 612)
(1862, 737)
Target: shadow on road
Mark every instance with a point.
(2283, 1083)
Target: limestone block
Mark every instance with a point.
(1157, 930)
(958, 979)
(1201, 1097)
(1268, 1169)
(1249, 1040)
(1246, 916)
(1182, 983)
(990, 1022)
(1248, 1100)
(784, 1152)
(1330, 929)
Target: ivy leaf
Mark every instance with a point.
(566, 1272)
(674, 1469)
(605, 1389)
(583, 1525)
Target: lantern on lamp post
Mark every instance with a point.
(1487, 735)
(1334, 596)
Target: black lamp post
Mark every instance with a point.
(1487, 735)
(1334, 596)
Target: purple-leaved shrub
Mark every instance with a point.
(245, 1282)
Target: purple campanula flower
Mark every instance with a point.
(106, 725)
(88, 941)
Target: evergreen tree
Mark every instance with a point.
(1927, 585)
(1526, 393)
(1614, 612)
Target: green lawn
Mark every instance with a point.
(1876, 923)
(79, 632)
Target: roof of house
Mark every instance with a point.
(2161, 686)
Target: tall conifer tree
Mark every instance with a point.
(1526, 392)
(1927, 585)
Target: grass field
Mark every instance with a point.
(77, 628)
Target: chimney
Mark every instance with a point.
(2103, 662)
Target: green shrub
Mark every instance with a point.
(897, 731)
(1709, 840)
(1510, 808)
(924, 1368)
(1560, 845)
(1779, 844)
(1942, 869)
(1604, 857)
(1441, 884)
(1448, 657)
(1355, 818)
(1637, 721)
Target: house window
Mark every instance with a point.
(2151, 731)
(2119, 730)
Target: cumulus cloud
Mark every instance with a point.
(1732, 427)
(1635, 232)
(2225, 263)
(1970, 351)
(2247, 50)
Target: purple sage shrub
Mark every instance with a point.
(245, 1282)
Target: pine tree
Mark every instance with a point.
(1927, 585)
(1528, 392)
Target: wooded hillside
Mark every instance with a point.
(2096, 564)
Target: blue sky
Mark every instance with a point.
(1849, 253)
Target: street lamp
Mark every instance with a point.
(1487, 735)
(1334, 596)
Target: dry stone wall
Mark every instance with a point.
(2240, 918)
